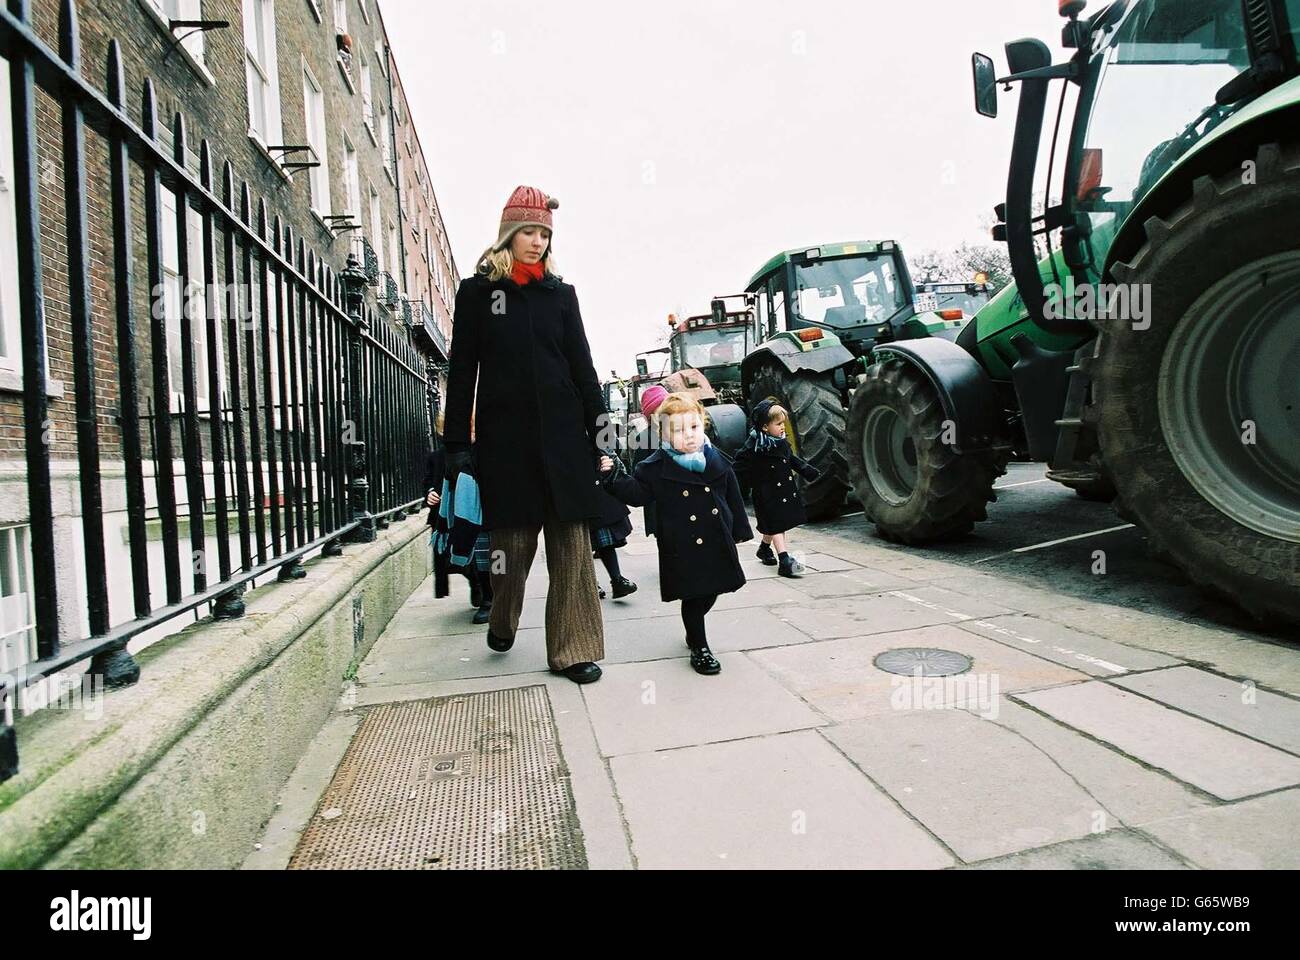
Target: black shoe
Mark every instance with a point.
(765, 554)
(475, 594)
(581, 672)
(601, 592)
(622, 587)
(790, 567)
(704, 662)
(497, 643)
(483, 614)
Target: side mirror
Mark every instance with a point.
(986, 85)
(718, 310)
(642, 368)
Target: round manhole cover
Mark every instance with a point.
(927, 660)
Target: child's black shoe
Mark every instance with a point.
(790, 567)
(704, 662)
(484, 613)
(765, 554)
(622, 586)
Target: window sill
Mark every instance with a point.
(275, 164)
(322, 222)
(194, 62)
(315, 10)
(388, 172)
(12, 382)
(370, 129)
(347, 75)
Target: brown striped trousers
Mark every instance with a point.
(575, 631)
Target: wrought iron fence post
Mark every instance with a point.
(354, 285)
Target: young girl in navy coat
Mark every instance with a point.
(767, 465)
(700, 517)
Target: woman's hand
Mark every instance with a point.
(606, 464)
(433, 498)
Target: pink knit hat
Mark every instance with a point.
(527, 207)
(652, 399)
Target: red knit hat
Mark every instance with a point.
(527, 207)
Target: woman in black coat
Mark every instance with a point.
(700, 517)
(767, 466)
(518, 334)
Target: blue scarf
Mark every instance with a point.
(695, 462)
(761, 441)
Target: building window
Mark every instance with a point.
(351, 178)
(313, 100)
(183, 10)
(173, 303)
(17, 605)
(341, 16)
(263, 72)
(10, 317)
(376, 226)
(386, 140)
(367, 100)
(395, 257)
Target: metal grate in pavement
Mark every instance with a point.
(472, 781)
(923, 662)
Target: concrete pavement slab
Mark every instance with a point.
(1133, 793)
(1221, 763)
(638, 707)
(448, 657)
(771, 592)
(839, 677)
(825, 563)
(784, 801)
(1255, 834)
(1113, 850)
(849, 583)
(1096, 656)
(1233, 652)
(1230, 703)
(980, 788)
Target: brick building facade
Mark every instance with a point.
(267, 84)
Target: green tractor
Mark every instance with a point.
(820, 312)
(1153, 355)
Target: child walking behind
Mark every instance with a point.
(700, 517)
(767, 465)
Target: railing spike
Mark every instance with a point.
(149, 110)
(114, 75)
(69, 35)
(205, 165)
(228, 185)
(245, 202)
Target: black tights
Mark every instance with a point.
(609, 557)
(693, 611)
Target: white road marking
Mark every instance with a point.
(1053, 543)
(1024, 483)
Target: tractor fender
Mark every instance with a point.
(965, 390)
(786, 354)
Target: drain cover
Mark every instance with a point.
(929, 661)
(472, 781)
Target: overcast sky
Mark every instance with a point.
(689, 140)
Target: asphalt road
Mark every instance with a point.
(1044, 535)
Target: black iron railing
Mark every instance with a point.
(368, 259)
(319, 430)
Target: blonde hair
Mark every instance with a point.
(776, 414)
(677, 404)
(499, 264)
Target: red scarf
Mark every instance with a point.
(525, 273)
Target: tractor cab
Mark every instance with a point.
(715, 343)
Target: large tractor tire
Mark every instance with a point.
(816, 434)
(914, 487)
(1196, 416)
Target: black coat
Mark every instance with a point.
(435, 467)
(639, 453)
(539, 405)
(700, 517)
(778, 505)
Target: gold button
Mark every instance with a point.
(715, 510)
(783, 499)
(706, 489)
(778, 483)
(686, 493)
(692, 516)
(699, 541)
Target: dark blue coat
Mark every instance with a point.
(699, 519)
(778, 506)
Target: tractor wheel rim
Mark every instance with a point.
(1229, 395)
(889, 455)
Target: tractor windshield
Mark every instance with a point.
(1156, 74)
(848, 292)
(706, 347)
